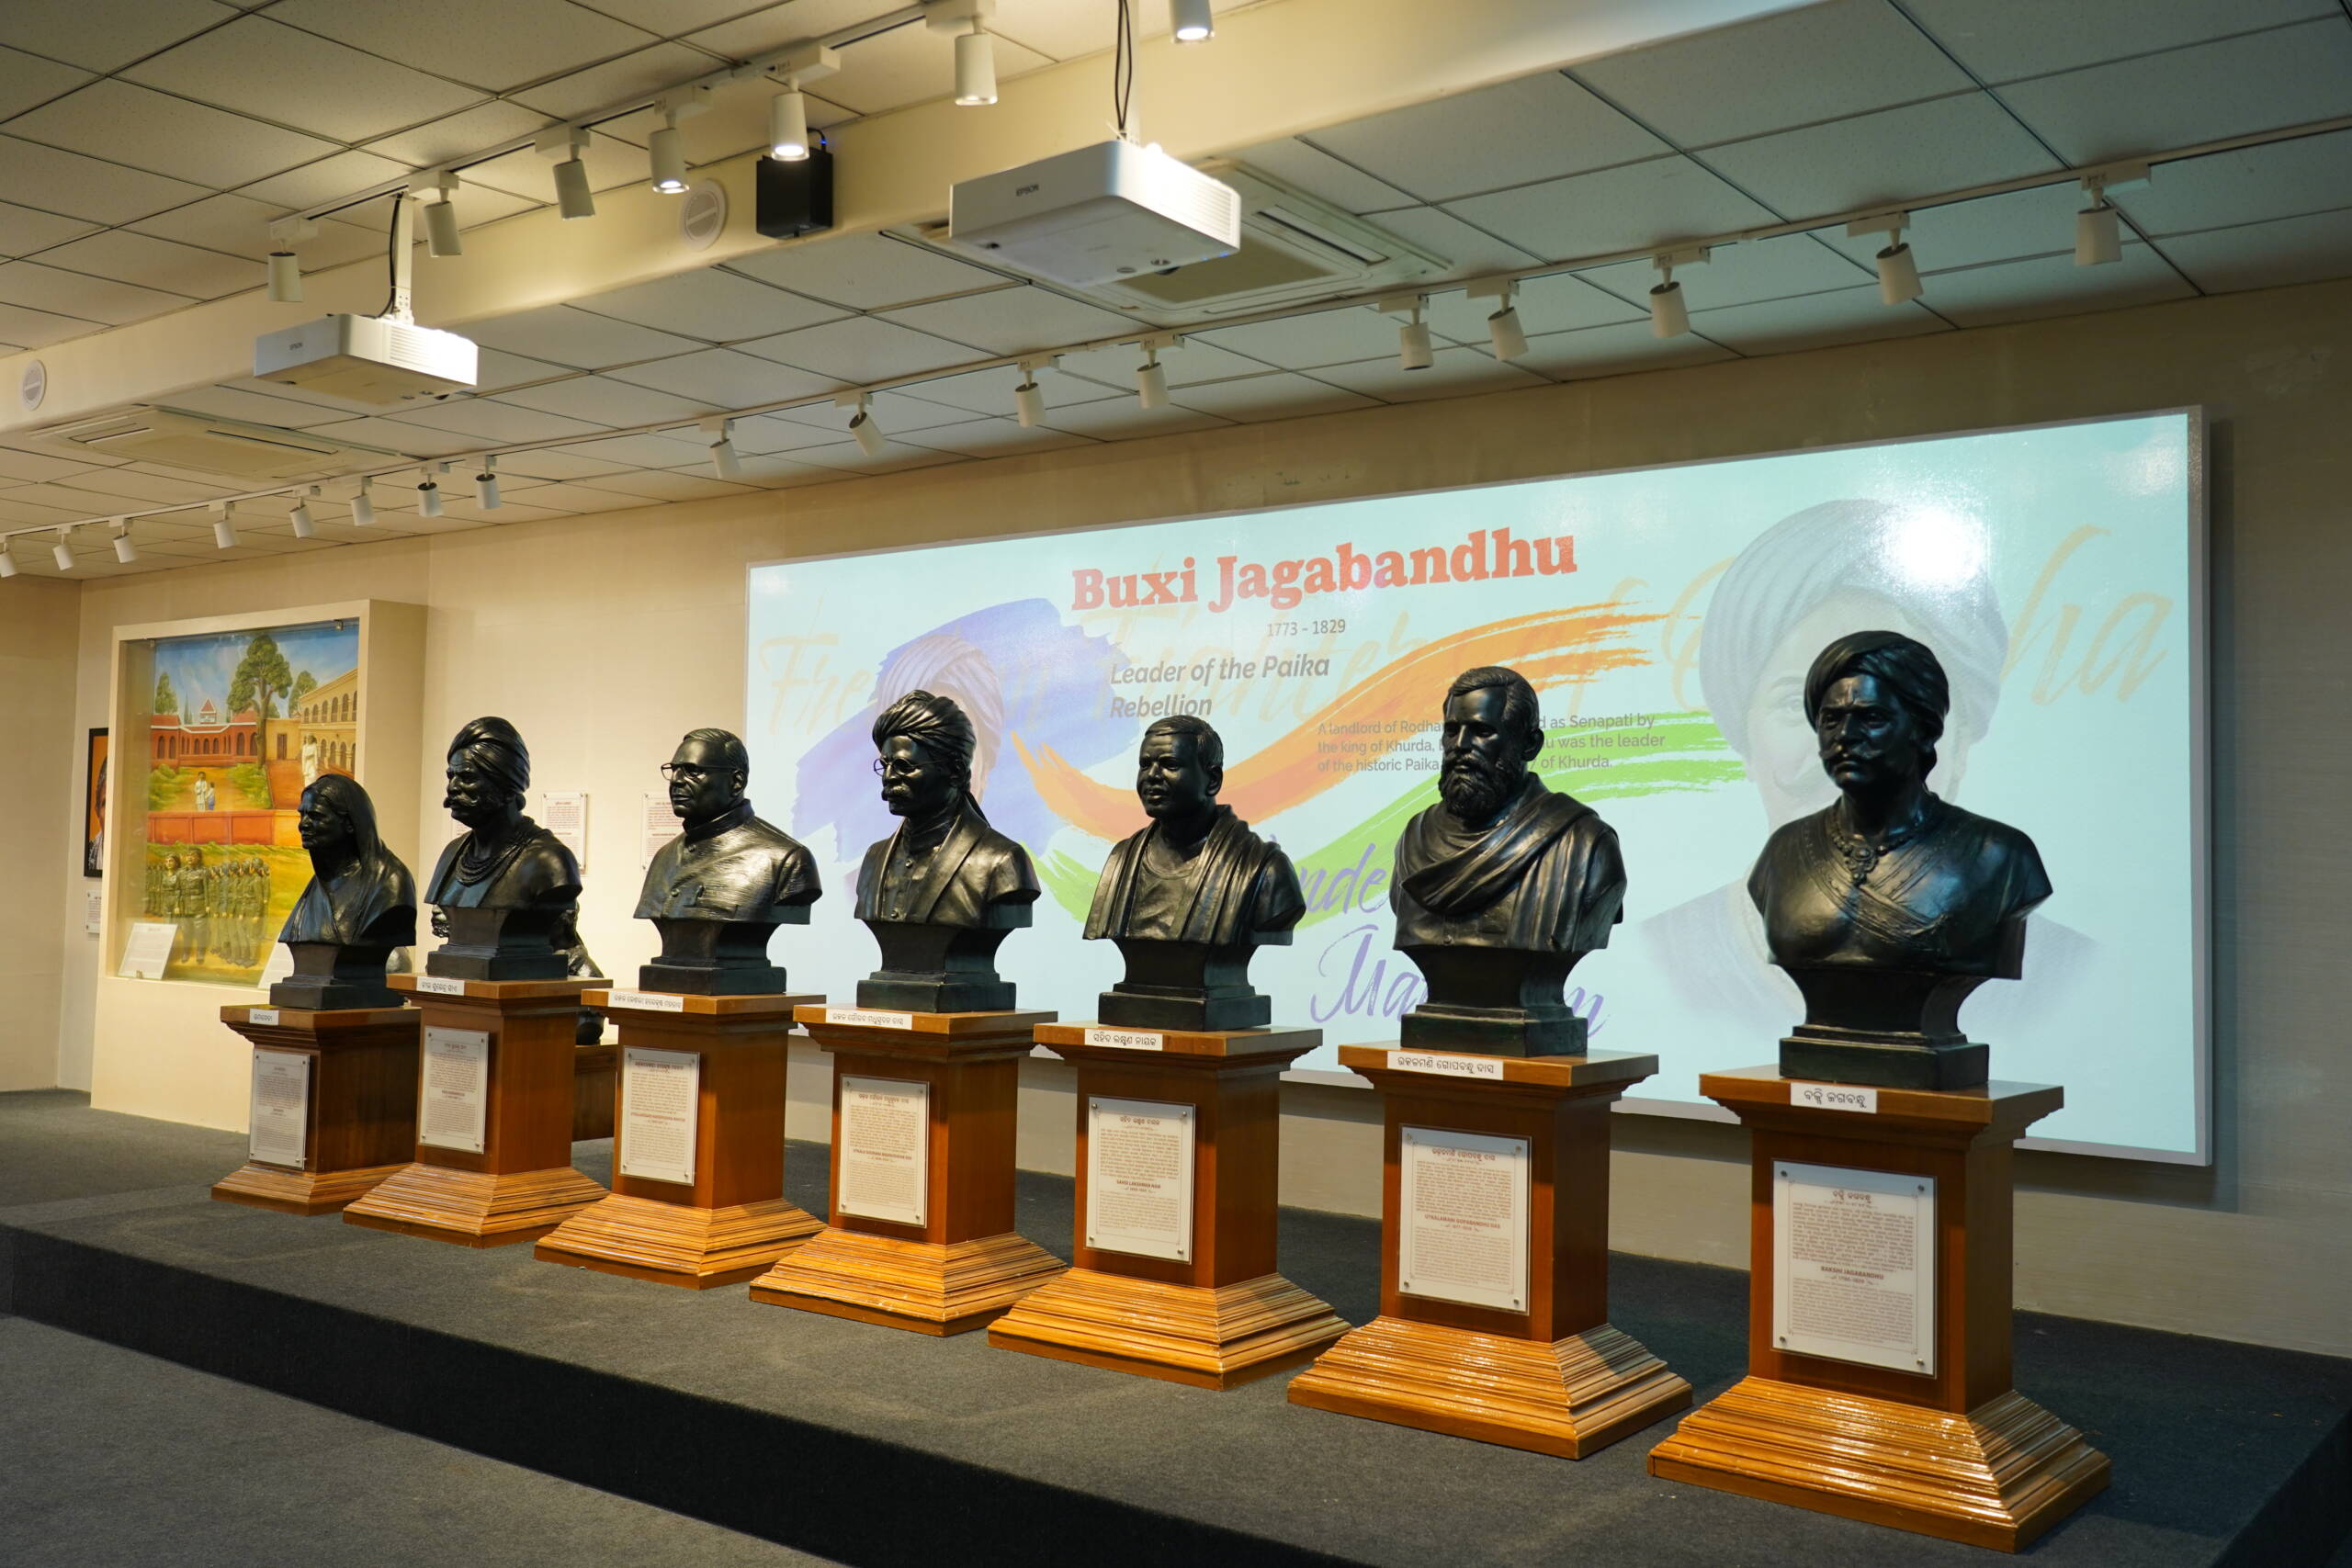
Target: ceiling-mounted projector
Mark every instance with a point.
(1115, 210)
(369, 359)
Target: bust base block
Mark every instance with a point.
(1490, 1032)
(709, 980)
(360, 1123)
(1998, 1476)
(1567, 1397)
(676, 1243)
(1203, 1336)
(290, 1191)
(474, 1208)
(1886, 1064)
(939, 1288)
(1200, 1015)
(901, 993)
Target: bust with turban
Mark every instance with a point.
(504, 885)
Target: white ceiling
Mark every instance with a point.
(144, 161)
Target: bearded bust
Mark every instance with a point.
(1503, 885)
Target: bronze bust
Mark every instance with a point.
(717, 892)
(360, 905)
(1190, 898)
(503, 887)
(1889, 906)
(940, 894)
(1503, 885)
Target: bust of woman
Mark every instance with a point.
(1888, 907)
(359, 905)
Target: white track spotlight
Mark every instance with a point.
(428, 489)
(224, 526)
(7, 562)
(1190, 21)
(1898, 271)
(718, 435)
(1510, 338)
(789, 111)
(363, 505)
(486, 485)
(285, 266)
(975, 50)
(1029, 399)
(2099, 228)
(870, 439)
(665, 147)
(61, 552)
(1151, 379)
(124, 550)
(1413, 350)
(565, 143)
(441, 218)
(300, 518)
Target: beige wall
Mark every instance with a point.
(40, 824)
(605, 637)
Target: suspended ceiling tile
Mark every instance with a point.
(2051, 285)
(764, 434)
(477, 204)
(104, 34)
(667, 484)
(525, 172)
(1556, 304)
(641, 73)
(499, 47)
(1319, 175)
(1121, 420)
(1736, 275)
(252, 408)
(773, 26)
(716, 305)
(2267, 255)
(607, 402)
(328, 179)
(496, 370)
(736, 121)
(1887, 157)
(1537, 128)
(1613, 350)
(1455, 372)
(461, 506)
(149, 129)
(1797, 67)
(1464, 248)
(255, 66)
(860, 349)
(897, 457)
(672, 17)
(395, 436)
(633, 451)
(25, 230)
(77, 500)
(343, 406)
(25, 515)
(913, 65)
(2002, 41)
(1282, 394)
(461, 135)
(783, 473)
(1190, 361)
(42, 288)
(495, 423)
(149, 490)
(723, 379)
(1968, 233)
(59, 181)
(1014, 320)
(2253, 184)
(896, 412)
(2187, 96)
(1813, 320)
(39, 328)
(1632, 208)
(990, 392)
(995, 438)
(1302, 343)
(560, 466)
(157, 264)
(27, 80)
(1067, 29)
(239, 225)
(577, 338)
(579, 498)
(867, 272)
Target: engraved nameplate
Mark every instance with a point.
(1126, 1039)
(266, 1016)
(866, 1018)
(1835, 1097)
(1451, 1067)
(440, 986)
(648, 1001)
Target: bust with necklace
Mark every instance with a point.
(504, 889)
(1889, 906)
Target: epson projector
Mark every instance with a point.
(1112, 211)
(369, 359)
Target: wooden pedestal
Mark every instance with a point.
(731, 1222)
(964, 1264)
(1223, 1314)
(1555, 1378)
(596, 1083)
(522, 1185)
(360, 1126)
(1954, 1452)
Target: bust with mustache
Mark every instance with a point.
(718, 890)
(1888, 907)
(502, 890)
(1503, 885)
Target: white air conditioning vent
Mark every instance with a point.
(1296, 250)
(201, 444)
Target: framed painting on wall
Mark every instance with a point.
(94, 807)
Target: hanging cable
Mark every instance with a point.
(392, 259)
(1123, 68)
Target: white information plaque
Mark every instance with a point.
(147, 950)
(564, 813)
(648, 1001)
(94, 910)
(657, 825)
(886, 1149)
(867, 1018)
(279, 1118)
(453, 1102)
(1139, 1177)
(1125, 1039)
(1854, 1266)
(659, 1090)
(1464, 1209)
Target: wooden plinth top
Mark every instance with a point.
(311, 1022)
(884, 1021)
(1997, 1107)
(1603, 1069)
(1104, 1042)
(426, 986)
(618, 1000)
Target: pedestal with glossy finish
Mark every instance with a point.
(362, 1119)
(1556, 1379)
(1227, 1315)
(733, 1223)
(966, 1264)
(522, 1185)
(1959, 1454)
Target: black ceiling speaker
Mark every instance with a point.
(796, 199)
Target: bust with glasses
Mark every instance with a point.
(718, 890)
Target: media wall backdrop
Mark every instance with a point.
(1666, 617)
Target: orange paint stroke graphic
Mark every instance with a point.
(1553, 648)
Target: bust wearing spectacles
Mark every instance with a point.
(718, 890)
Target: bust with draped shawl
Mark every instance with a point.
(358, 907)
